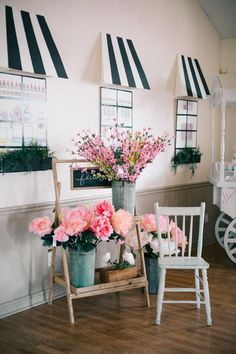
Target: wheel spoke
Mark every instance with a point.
(231, 246)
(221, 225)
(230, 240)
(233, 251)
(227, 222)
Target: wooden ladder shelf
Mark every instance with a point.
(99, 288)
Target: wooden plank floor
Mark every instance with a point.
(122, 324)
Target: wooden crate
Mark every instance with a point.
(108, 275)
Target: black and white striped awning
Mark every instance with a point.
(190, 80)
(121, 64)
(26, 44)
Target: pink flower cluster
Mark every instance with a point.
(122, 156)
(148, 224)
(75, 221)
(101, 220)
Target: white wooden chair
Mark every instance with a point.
(182, 257)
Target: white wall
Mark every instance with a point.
(228, 56)
(160, 30)
(228, 66)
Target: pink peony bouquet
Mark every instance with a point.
(123, 155)
(84, 227)
(149, 237)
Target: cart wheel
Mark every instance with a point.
(230, 240)
(221, 225)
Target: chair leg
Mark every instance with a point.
(197, 287)
(207, 297)
(160, 295)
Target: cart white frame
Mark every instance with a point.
(224, 182)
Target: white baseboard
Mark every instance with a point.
(26, 302)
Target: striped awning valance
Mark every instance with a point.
(26, 44)
(121, 64)
(190, 80)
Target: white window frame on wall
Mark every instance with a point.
(116, 110)
(186, 124)
(23, 110)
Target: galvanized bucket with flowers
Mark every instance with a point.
(149, 241)
(80, 231)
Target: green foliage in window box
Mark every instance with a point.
(186, 156)
(32, 157)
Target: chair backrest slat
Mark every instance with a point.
(187, 214)
(176, 238)
(183, 238)
(190, 236)
(200, 234)
(168, 238)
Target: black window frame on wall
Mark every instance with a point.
(187, 113)
(117, 109)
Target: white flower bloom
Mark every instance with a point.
(131, 238)
(165, 246)
(128, 257)
(155, 246)
(107, 257)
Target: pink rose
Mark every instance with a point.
(41, 226)
(77, 220)
(148, 223)
(87, 214)
(102, 228)
(122, 221)
(60, 234)
(164, 224)
(179, 233)
(104, 208)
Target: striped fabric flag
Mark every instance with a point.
(121, 64)
(27, 44)
(190, 80)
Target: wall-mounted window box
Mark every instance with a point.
(28, 158)
(186, 156)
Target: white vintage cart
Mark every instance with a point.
(223, 174)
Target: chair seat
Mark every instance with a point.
(183, 262)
